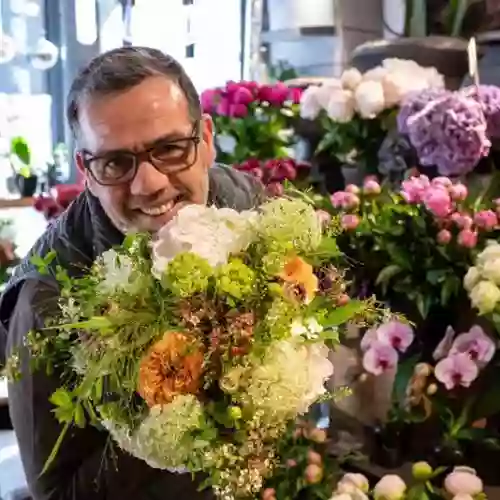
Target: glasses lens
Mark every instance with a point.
(174, 155)
(114, 170)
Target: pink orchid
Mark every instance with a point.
(443, 348)
(456, 370)
(396, 334)
(368, 339)
(379, 358)
(438, 201)
(486, 219)
(476, 344)
(467, 238)
(414, 188)
(345, 200)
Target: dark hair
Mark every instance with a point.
(123, 68)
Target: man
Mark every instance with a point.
(145, 150)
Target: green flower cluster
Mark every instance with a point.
(187, 274)
(235, 280)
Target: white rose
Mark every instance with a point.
(398, 85)
(340, 107)
(491, 270)
(485, 296)
(390, 487)
(351, 78)
(492, 251)
(471, 278)
(326, 90)
(370, 99)
(310, 106)
(376, 74)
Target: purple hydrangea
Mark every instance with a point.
(450, 133)
(489, 97)
(415, 102)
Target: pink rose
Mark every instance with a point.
(467, 238)
(242, 96)
(486, 219)
(443, 237)
(349, 222)
(275, 94)
(238, 111)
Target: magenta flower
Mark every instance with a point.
(209, 100)
(295, 93)
(379, 358)
(476, 344)
(414, 188)
(467, 238)
(242, 96)
(368, 339)
(396, 334)
(275, 95)
(486, 219)
(344, 199)
(456, 370)
(438, 201)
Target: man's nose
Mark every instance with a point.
(148, 180)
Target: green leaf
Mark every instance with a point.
(423, 305)
(404, 374)
(343, 314)
(62, 398)
(448, 289)
(386, 274)
(19, 147)
(79, 416)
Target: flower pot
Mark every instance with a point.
(448, 55)
(26, 185)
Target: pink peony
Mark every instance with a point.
(352, 188)
(438, 201)
(443, 237)
(371, 187)
(442, 182)
(275, 94)
(209, 99)
(313, 473)
(476, 344)
(324, 217)
(349, 222)
(345, 200)
(467, 238)
(396, 334)
(242, 95)
(486, 219)
(463, 481)
(414, 188)
(458, 192)
(379, 358)
(269, 494)
(462, 221)
(275, 189)
(238, 111)
(390, 487)
(456, 370)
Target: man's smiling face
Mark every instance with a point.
(143, 155)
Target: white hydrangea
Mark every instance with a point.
(116, 271)
(209, 232)
(157, 440)
(290, 379)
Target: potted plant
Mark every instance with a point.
(24, 179)
(430, 38)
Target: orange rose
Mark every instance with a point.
(299, 273)
(172, 366)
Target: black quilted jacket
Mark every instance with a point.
(86, 467)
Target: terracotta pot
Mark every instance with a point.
(448, 55)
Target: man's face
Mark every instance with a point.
(151, 117)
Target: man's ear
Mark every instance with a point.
(84, 174)
(207, 136)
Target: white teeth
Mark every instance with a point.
(158, 210)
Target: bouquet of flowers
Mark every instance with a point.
(358, 109)
(252, 120)
(198, 349)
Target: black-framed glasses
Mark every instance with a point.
(168, 157)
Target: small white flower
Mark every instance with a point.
(370, 100)
(351, 78)
(308, 328)
(116, 270)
